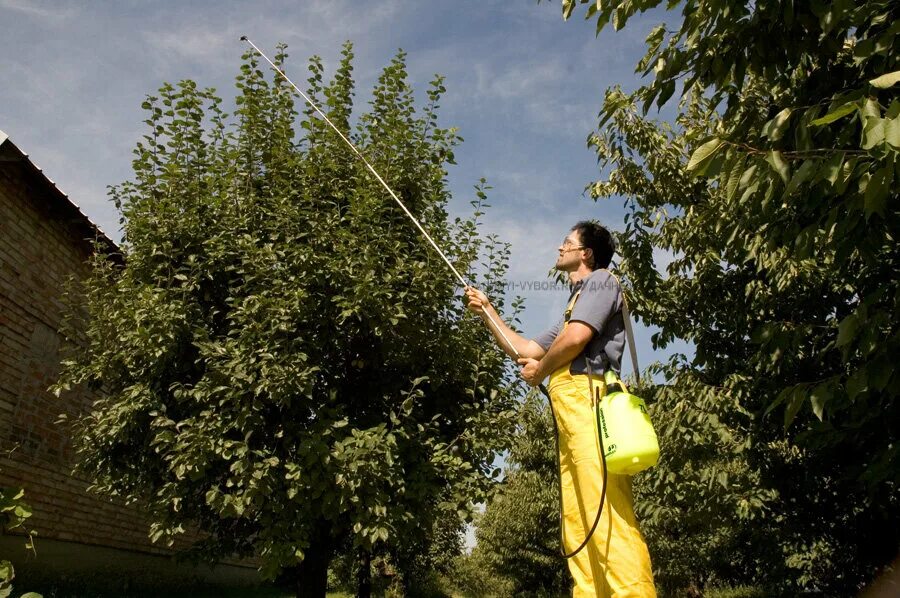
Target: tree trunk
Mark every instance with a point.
(364, 575)
(312, 578)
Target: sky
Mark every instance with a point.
(523, 87)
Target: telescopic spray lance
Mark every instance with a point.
(462, 280)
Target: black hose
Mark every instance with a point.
(562, 539)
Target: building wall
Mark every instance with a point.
(40, 247)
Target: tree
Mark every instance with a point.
(285, 364)
(518, 533)
(419, 567)
(426, 566)
(774, 193)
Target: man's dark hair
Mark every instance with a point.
(599, 240)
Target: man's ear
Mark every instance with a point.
(589, 256)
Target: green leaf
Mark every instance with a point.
(877, 190)
(839, 112)
(847, 330)
(776, 161)
(656, 35)
(665, 92)
(892, 131)
(845, 175)
(734, 178)
(703, 153)
(800, 177)
(857, 384)
(886, 80)
(722, 478)
(775, 128)
(781, 398)
(820, 395)
(869, 109)
(893, 110)
(7, 572)
(832, 167)
(874, 132)
(796, 400)
(620, 16)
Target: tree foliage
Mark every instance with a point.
(774, 192)
(285, 364)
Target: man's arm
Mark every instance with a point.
(478, 303)
(567, 346)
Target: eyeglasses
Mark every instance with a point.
(567, 246)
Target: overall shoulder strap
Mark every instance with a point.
(571, 305)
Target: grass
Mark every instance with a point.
(737, 592)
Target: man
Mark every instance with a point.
(615, 562)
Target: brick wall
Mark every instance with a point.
(42, 243)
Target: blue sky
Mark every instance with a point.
(523, 87)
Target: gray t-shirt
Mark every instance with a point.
(599, 306)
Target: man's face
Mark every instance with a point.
(571, 253)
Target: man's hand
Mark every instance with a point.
(478, 301)
(529, 371)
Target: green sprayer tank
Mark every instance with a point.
(628, 437)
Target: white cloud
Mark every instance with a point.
(313, 27)
(525, 80)
(541, 87)
(199, 42)
(347, 18)
(47, 11)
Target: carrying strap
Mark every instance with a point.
(629, 339)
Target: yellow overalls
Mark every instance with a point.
(615, 563)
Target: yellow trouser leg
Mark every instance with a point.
(615, 563)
